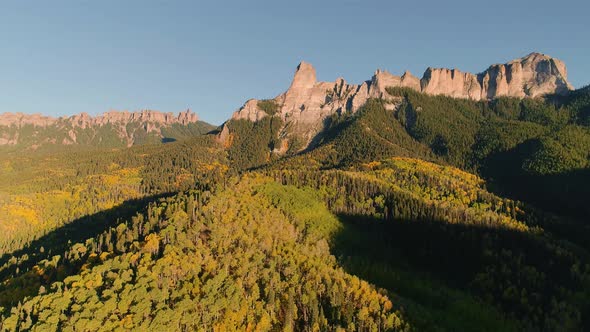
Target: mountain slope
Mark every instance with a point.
(405, 217)
(278, 248)
(516, 144)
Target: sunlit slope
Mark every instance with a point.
(250, 258)
(40, 192)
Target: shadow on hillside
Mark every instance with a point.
(436, 269)
(422, 267)
(331, 126)
(564, 193)
(58, 241)
(452, 252)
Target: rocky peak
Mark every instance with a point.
(301, 88)
(304, 79)
(530, 76)
(187, 117)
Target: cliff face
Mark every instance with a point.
(451, 82)
(308, 102)
(532, 76)
(125, 127)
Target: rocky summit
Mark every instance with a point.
(307, 102)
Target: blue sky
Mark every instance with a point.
(61, 58)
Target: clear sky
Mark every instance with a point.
(61, 58)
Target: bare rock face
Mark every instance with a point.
(147, 120)
(249, 111)
(307, 102)
(302, 84)
(531, 76)
(187, 117)
(450, 82)
(383, 79)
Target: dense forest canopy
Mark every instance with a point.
(440, 214)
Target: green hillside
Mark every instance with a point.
(531, 149)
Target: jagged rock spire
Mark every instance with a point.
(305, 77)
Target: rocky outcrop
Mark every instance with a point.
(383, 79)
(250, 111)
(531, 76)
(451, 82)
(307, 102)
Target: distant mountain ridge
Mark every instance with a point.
(83, 119)
(307, 103)
(113, 128)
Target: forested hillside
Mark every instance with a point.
(536, 150)
(439, 214)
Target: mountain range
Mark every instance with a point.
(307, 102)
(451, 202)
(303, 107)
(109, 129)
